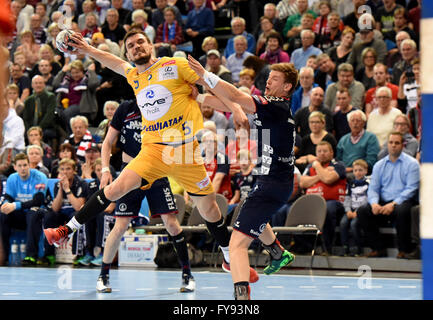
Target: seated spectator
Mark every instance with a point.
(39, 109)
(356, 196)
(91, 25)
(346, 80)
(158, 13)
(327, 178)
(110, 108)
(199, 24)
(81, 138)
(238, 26)
(332, 32)
(385, 15)
(140, 17)
(301, 96)
(358, 144)
(214, 65)
(242, 141)
(217, 165)
(235, 60)
(266, 27)
(401, 23)
(29, 47)
(286, 8)
(66, 151)
(344, 107)
(340, 53)
(394, 55)
(53, 31)
(410, 144)
(367, 41)
(246, 79)
(408, 51)
(321, 22)
(366, 73)
(381, 120)
(391, 195)
(111, 29)
(35, 154)
(123, 13)
(69, 195)
(209, 43)
(76, 89)
(380, 77)
(22, 81)
(88, 166)
(35, 137)
(316, 104)
(37, 29)
(307, 150)
(12, 96)
(45, 70)
(415, 117)
(20, 58)
(217, 117)
(274, 52)
(299, 56)
(23, 207)
(292, 27)
(41, 10)
(307, 22)
(88, 6)
(46, 53)
(408, 87)
(169, 34)
(327, 72)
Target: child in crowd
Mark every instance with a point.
(356, 197)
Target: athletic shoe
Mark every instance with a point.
(56, 236)
(242, 293)
(103, 284)
(188, 283)
(254, 277)
(28, 261)
(46, 261)
(275, 265)
(97, 261)
(85, 261)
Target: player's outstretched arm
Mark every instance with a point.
(222, 89)
(110, 60)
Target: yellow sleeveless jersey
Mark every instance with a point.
(169, 113)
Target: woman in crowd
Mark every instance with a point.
(366, 73)
(274, 52)
(339, 54)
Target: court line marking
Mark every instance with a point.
(77, 291)
(340, 287)
(274, 287)
(407, 287)
(209, 287)
(44, 292)
(11, 294)
(308, 287)
(144, 289)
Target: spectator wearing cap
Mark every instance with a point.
(367, 40)
(91, 154)
(81, 138)
(274, 52)
(214, 65)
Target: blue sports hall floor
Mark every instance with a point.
(67, 283)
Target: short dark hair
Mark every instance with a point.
(133, 33)
(275, 35)
(21, 156)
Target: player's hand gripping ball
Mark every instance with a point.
(62, 42)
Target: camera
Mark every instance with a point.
(409, 73)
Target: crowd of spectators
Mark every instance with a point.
(357, 107)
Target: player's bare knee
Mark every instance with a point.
(171, 224)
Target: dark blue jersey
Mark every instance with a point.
(276, 138)
(127, 120)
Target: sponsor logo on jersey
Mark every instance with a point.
(167, 73)
(203, 183)
(134, 125)
(123, 207)
(163, 125)
(168, 63)
(154, 101)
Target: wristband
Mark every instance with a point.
(200, 98)
(105, 169)
(68, 192)
(211, 79)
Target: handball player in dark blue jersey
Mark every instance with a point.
(125, 128)
(276, 132)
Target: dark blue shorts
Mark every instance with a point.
(262, 202)
(159, 197)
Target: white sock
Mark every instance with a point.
(73, 224)
(225, 251)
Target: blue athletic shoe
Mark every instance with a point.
(85, 261)
(97, 261)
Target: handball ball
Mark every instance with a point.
(62, 42)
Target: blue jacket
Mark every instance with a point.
(202, 21)
(297, 98)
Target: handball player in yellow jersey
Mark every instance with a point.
(170, 118)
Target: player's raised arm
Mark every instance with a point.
(225, 91)
(110, 60)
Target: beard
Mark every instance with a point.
(142, 60)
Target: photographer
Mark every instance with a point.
(408, 87)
